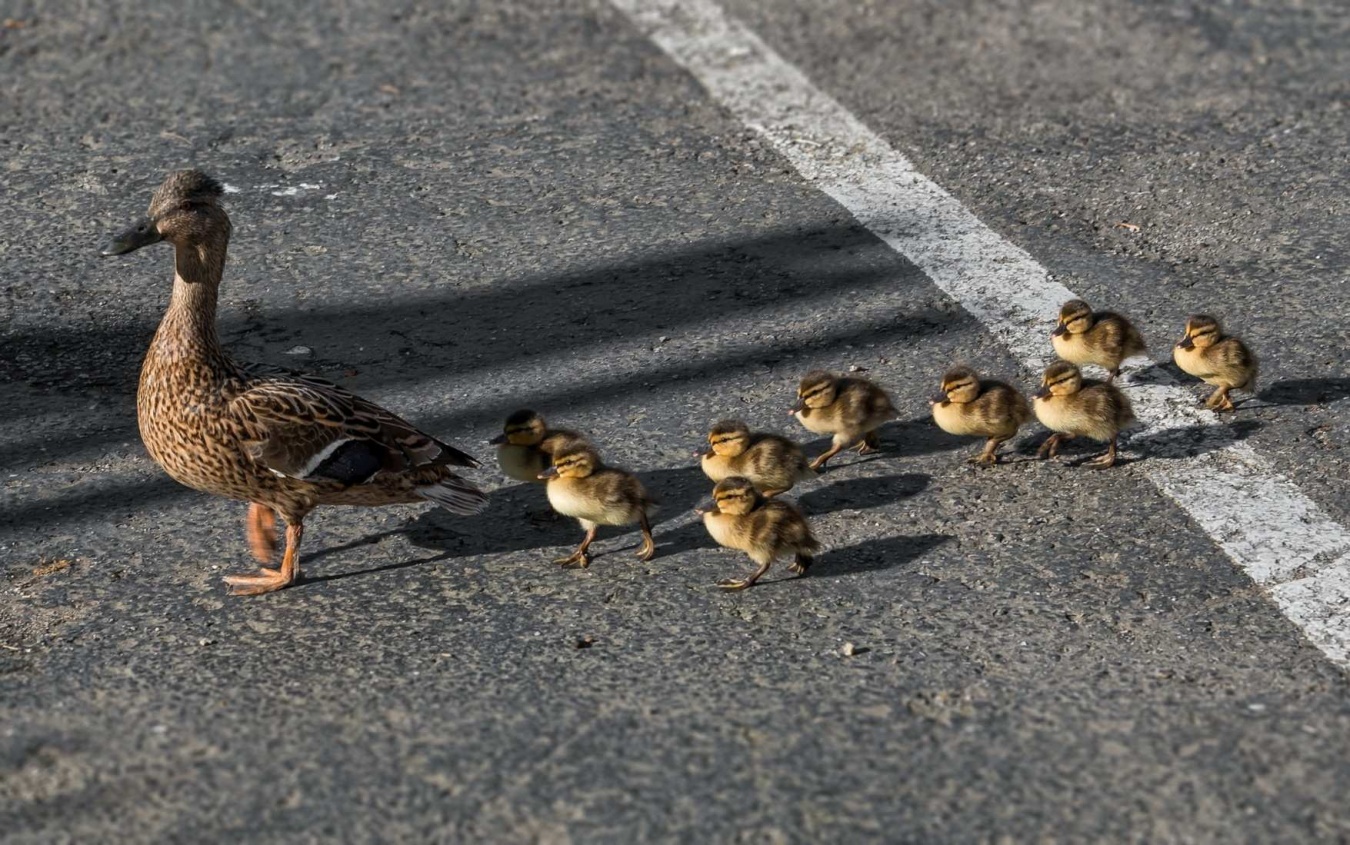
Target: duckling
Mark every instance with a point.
(526, 446)
(772, 463)
(850, 408)
(765, 529)
(581, 486)
(283, 441)
(1072, 406)
(1084, 336)
(990, 409)
(1218, 360)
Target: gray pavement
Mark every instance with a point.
(460, 211)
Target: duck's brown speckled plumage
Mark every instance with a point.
(765, 529)
(283, 441)
(970, 405)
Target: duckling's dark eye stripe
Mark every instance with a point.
(1059, 381)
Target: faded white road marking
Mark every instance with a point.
(1277, 535)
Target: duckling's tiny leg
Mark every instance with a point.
(1111, 376)
(1220, 400)
(801, 563)
(989, 456)
(871, 442)
(835, 448)
(262, 531)
(580, 557)
(1107, 460)
(648, 549)
(1050, 448)
(271, 580)
(731, 584)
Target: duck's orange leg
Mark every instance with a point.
(271, 580)
(262, 531)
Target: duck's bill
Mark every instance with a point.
(938, 398)
(498, 440)
(1059, 330)
(1043, 393)
(1186, 343)
(795, 409)
(143, 233)
(551, 472)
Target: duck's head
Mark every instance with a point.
(184, 210)
(1061, 379)
(728, 438)
(523, 428)
(735, 496)
(959, 385)
(817, 390)
(1202, 332)
(1075, 317)
(574, 462)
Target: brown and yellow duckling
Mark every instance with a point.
(771, 462)
(526, 446)
(969, 405)
(765, 529)
(582, 487)
(1072, 406)
(1223, 361)
(1104, 338)
(283, 441)
(849, 408)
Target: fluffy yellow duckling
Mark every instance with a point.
(1225, 362)
(526, 446)
(772, 463)
(581, 486)
(989, 409)
(765, 529)
(851, 409)
(1104, 338)
(1072, 406)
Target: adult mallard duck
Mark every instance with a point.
(283, 441)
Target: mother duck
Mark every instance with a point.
(283, 441)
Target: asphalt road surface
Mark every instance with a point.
(460, 209)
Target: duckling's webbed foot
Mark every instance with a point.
(581, 558)
(801, 564)
(870, 443)
(1104, 461)
(647, 550)
(1220, 401)
(730, 584)
(819, 463)
(989, 456)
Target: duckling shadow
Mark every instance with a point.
(1191, 440)
(1312, 391)
(863, 492)
(871, 556)
(507, 527)
(899, 439)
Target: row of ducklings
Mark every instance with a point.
(1072, 406)
(750, 468)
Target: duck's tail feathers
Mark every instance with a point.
(455, 495)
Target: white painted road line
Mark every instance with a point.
(1261, 520)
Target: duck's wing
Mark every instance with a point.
(311, 429)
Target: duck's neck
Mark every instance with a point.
(189, 326)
